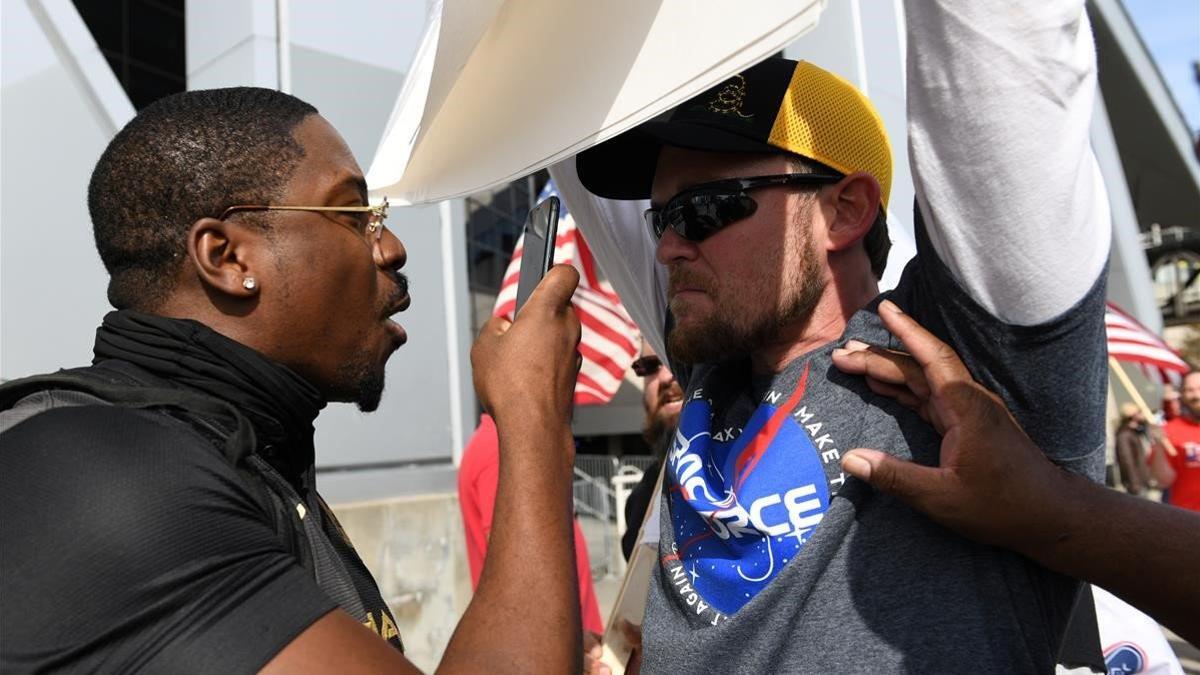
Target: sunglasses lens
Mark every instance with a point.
(654, 223)
(697, 217)
(647, 365)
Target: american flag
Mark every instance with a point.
(610, 340)
(1131, 342)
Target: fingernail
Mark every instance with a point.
(857, 466)
(891, 307)
(855, 345)
(840, 352)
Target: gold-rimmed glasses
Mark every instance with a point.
(372, 231)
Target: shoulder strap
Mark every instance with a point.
(227, 427)
(123, 389)
(288, 505)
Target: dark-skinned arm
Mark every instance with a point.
(525, 614)
(524, 617)
(995, 486)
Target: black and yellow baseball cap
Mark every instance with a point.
(779, 105)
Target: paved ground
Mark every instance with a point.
(606, 594)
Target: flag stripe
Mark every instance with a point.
(611, 334)
(1130, 341)
(601, 360)
(587, 383)
(588, 264)
(609, 340)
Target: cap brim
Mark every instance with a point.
(623, 167)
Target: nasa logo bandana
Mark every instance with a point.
(743, 502)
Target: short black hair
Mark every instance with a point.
(878, 244)
(185, 157)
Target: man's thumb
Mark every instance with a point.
(898, 477)
(558, 286)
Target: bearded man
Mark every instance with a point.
(768, 211)
(1179, 473)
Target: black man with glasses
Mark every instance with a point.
(769, 196)
(162, 511)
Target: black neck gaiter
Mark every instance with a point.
(279, 404)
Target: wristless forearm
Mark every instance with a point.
(525, 613)
(1152, 568)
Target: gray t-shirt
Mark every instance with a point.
(773, 560)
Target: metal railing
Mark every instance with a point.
(596, 505)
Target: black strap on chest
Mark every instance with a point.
(119, 386)
(302, 520)
(218, 421)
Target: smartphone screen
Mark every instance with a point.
(538, 250)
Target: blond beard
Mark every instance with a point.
(729, 334)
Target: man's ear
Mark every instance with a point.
(224, 257)
(855, 203)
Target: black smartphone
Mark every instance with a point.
(538, 250)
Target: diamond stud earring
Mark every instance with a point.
(249, 283)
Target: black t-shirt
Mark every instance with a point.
(162, 555)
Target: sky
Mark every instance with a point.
(1171, 31)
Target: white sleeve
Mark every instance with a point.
(1000, 99)
(621, 244)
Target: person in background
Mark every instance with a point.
(1130, 441)
(1171, 407)
(662, 399)
(478, 480)
(1180, 473)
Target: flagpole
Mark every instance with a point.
(1138, 400)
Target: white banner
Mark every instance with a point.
(499, 89)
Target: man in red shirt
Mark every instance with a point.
(1181, 472)
(478, 479)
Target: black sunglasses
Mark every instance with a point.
(647, 365)
(699, 212)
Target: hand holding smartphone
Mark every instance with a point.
(537, 256)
